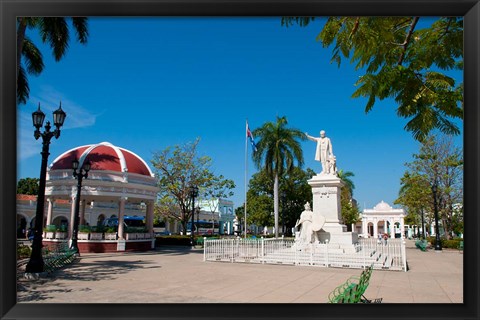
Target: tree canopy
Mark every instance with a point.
(404, 60)
(55, 32)
(294, 193)
(350, 211)
(438, 163)
(278, 149)
(178, 168)
(28, 186)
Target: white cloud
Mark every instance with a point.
(77, 116)
(49, 99)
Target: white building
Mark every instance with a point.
(119, 183)
(218, 210)
(381, 219)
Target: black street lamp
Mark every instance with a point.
(82, 173)
(193, 194)
(36, 263)
(198, 218)
(438, 243)
(423, 225)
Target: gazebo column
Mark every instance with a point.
(375, 228)
(402, 228)
(392, 229)
(49, 210)
(364, 227)
(149, 216)
(121, 210)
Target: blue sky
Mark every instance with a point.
(147, 83)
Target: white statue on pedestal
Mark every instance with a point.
(324, 153)
(311, 224)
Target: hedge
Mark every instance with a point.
(172, 240)
(453, 243)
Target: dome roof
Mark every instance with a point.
(103, 156)
(382, 206)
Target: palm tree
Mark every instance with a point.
(55, 32)
(345, 177)
(277, 149)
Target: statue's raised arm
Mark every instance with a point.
(310, 137)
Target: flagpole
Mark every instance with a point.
(246, 169)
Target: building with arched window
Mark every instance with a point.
(380, 220)
(119, 184)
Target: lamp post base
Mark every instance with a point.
(35, 265)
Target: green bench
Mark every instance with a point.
(57, 257)
(421, 244)
(352, 291)
(460, 245)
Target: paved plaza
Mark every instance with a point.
(179, 275)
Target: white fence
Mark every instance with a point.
(387, 256)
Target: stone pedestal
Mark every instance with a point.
(326, 191)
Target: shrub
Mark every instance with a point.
(84, 228)
(175, 240)
(50, 228)
(62, 228)
(111, 230)
(23, 251)
(99, 228)
(135, 229)
(453, 243)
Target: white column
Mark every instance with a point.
(392, 228)
(147, 216)
(49, 210)
(375, 228)
(149, 220)
(121, 210)
(364, 227)
(402, 228)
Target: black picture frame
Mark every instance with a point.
(9, 309)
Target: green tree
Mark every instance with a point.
(178, 169)
(415, 196)
(277, 150)
(28, 186)
(346, 176)
(55, 32)
(259, 209)
(403, 60)
(438, 163)
(350, 211)
(294, 192)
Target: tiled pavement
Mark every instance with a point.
(179, 275)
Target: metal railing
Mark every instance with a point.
(389, 255)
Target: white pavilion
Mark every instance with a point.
(382, 219)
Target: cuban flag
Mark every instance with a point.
(250, 137)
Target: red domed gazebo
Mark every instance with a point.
(117, 176)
